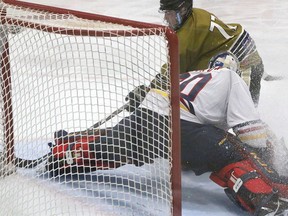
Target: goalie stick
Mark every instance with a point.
(26, 163)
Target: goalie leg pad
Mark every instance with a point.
(73, 154)
(245, 186)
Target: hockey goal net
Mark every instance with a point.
(66, 70)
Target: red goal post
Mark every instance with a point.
(53, 56)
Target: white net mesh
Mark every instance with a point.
(60, 72)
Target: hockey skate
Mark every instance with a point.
(277, 207)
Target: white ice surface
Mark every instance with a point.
(266, 21)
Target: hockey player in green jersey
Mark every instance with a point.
(202, 36)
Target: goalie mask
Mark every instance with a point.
(176, 12)
(225, 60)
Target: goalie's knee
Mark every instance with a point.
(245, 186)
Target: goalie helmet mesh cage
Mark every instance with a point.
(63, 69)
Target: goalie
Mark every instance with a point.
(240, 162)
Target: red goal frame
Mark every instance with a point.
(174, 58)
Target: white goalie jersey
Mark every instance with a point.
(214, 96)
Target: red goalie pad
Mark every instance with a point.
(73, 154)
(282, 187)
(240, 174)
(244, 185)
(74, 150)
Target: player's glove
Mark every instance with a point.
(135, 97)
